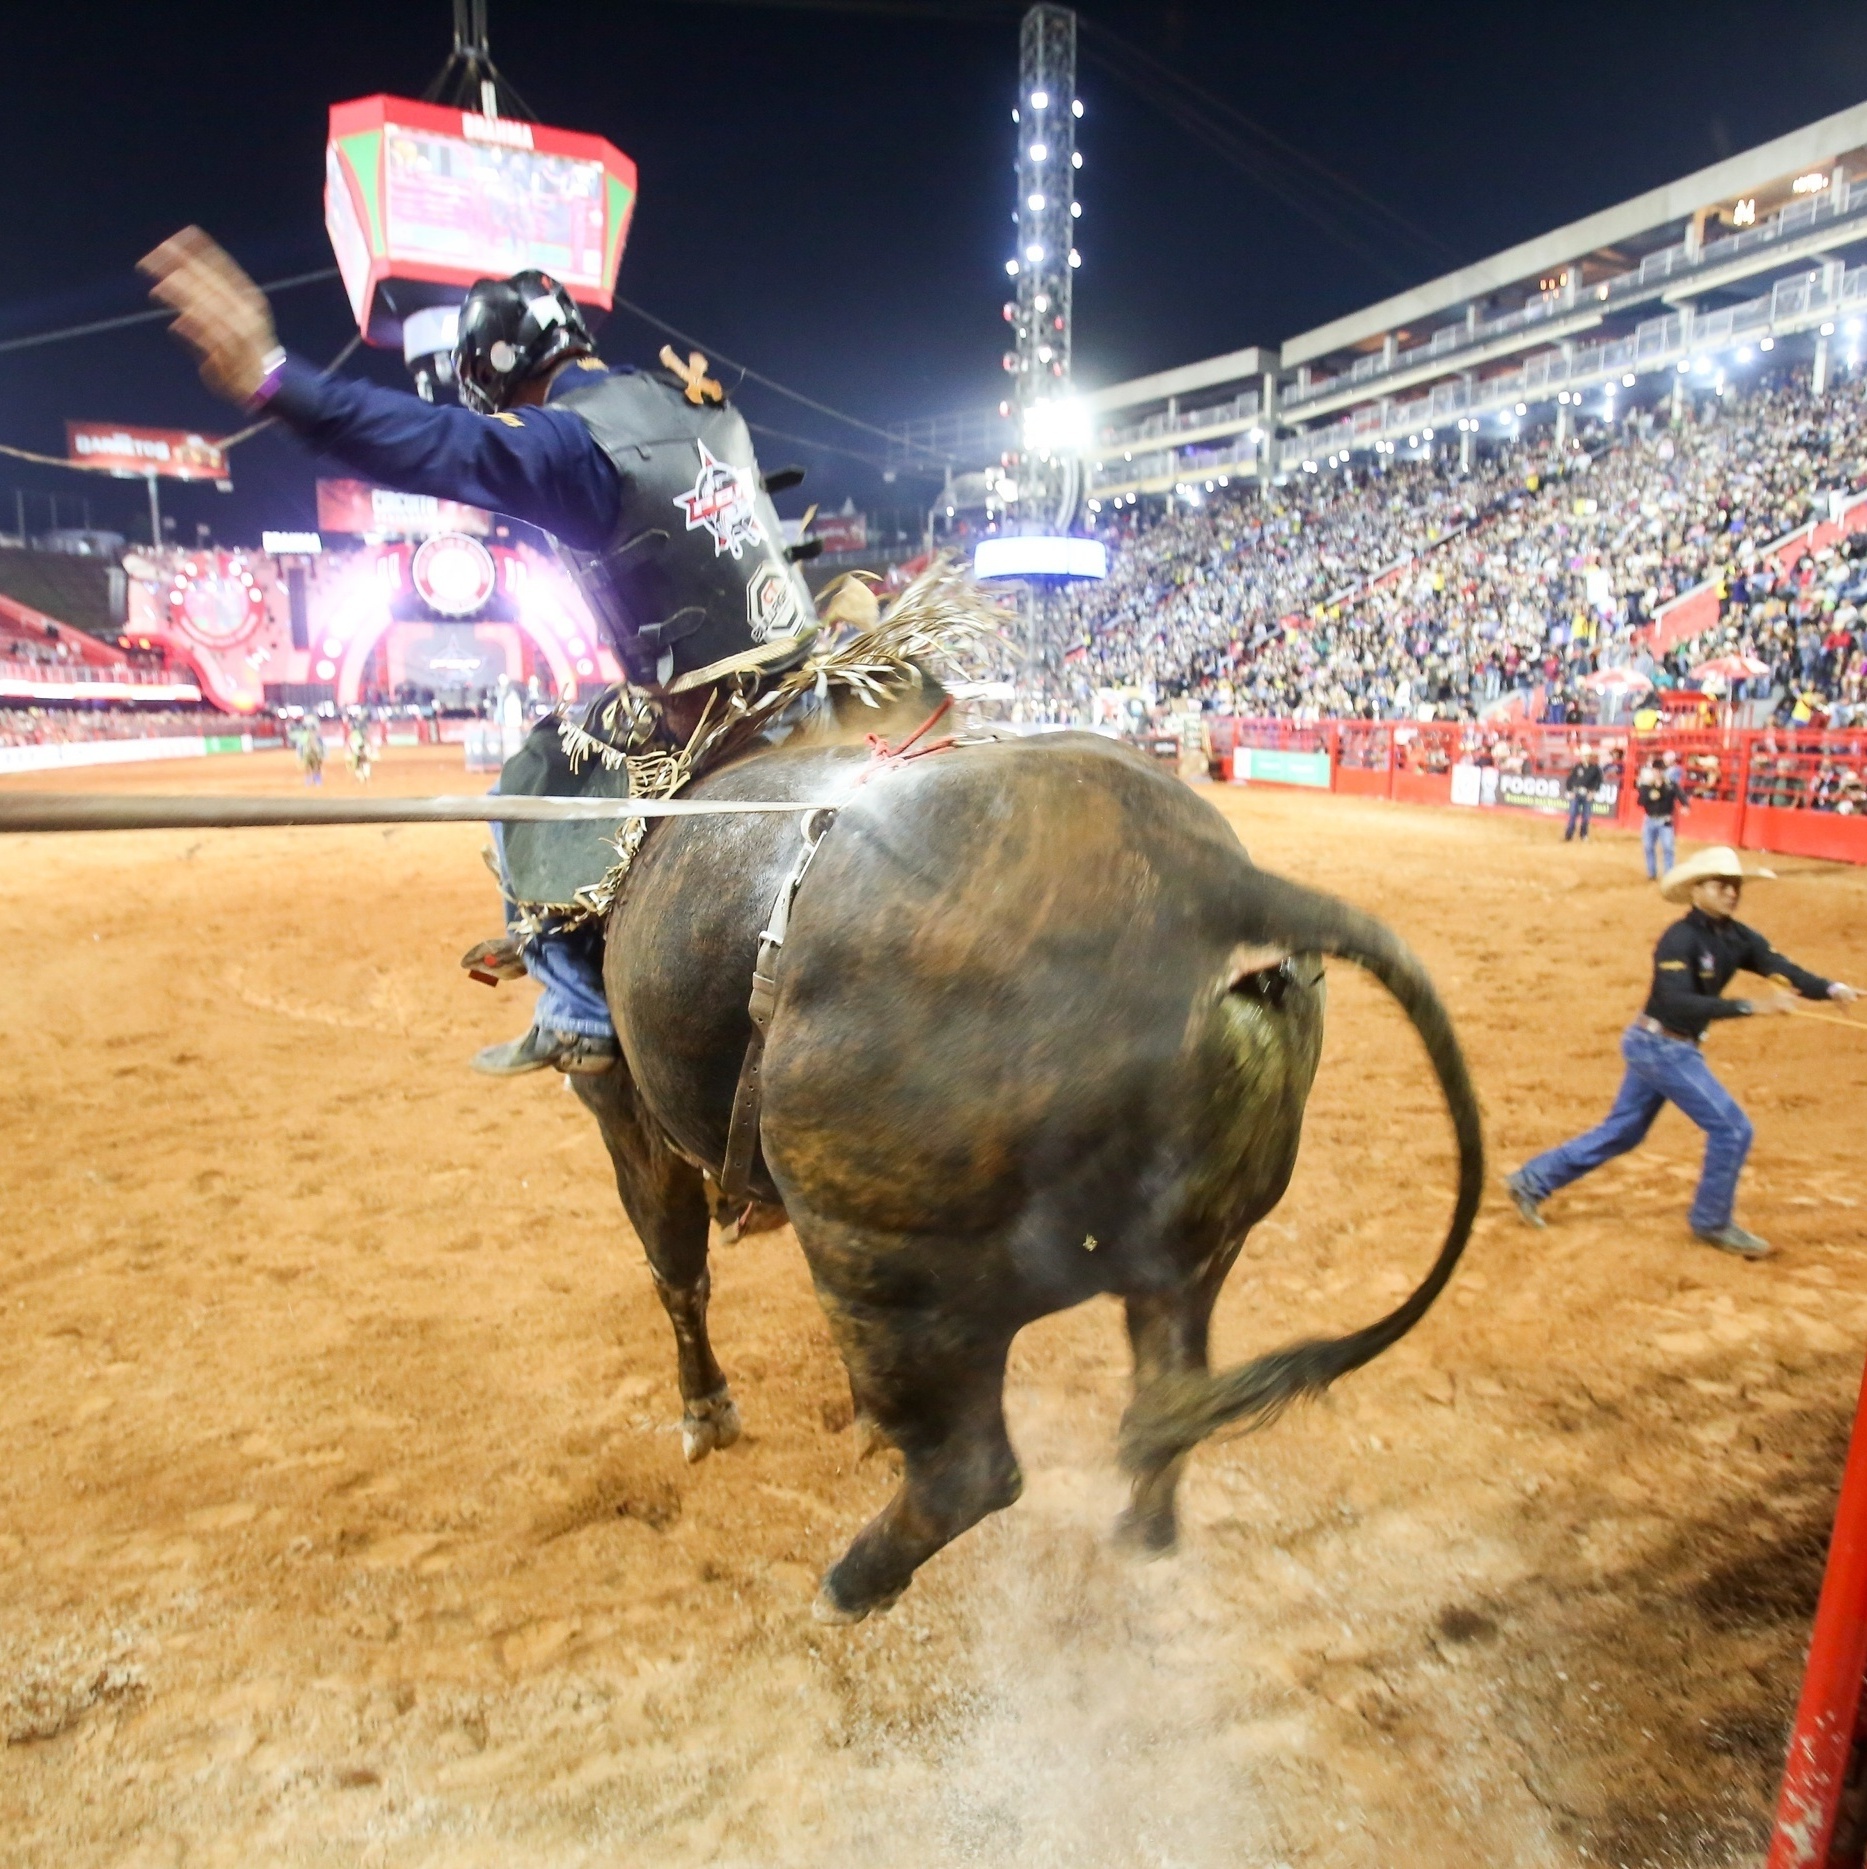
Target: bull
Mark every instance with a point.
(1042, 1031)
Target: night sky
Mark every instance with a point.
(826, 190)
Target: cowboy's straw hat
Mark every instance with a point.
(1720, 860)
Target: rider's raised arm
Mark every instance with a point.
(541, 465)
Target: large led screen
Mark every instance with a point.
(420, 200)
(492, 210)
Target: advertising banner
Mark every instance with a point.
(1535, 792)
(1271, 766)
(842, 532)
(171, 453)
(354, 506)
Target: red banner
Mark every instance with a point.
(376, 512)
(172, 453)
(841, 532)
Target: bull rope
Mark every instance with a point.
(77, 811)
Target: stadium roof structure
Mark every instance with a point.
(1691, 278)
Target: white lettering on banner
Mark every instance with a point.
(1538, 794)
(511, 131)
(393, 509)
(141, 447)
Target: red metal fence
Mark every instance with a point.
(1799, 792)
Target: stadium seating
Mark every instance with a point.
(1413, 591)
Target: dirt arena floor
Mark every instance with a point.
(342, 1512)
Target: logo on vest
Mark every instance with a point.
(720, 500)
(771, 605)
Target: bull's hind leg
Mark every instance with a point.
(665, 1199)
(933, 1384)
(1168, 1332)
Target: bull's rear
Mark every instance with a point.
(1042, 1031)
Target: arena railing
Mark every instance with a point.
(1800, 792)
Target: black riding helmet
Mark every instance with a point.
(512, 330)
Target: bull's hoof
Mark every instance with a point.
(869, 1437)
(709, 1423)
(827, 1609)
(1147, 1534)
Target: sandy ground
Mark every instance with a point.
(343, 1519)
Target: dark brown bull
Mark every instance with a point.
(1042, 1032)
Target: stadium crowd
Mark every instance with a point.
(57, 726)
(1526, 576)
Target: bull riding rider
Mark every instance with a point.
(1692, 965)
(646, 480)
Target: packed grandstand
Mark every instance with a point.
(1417, 591)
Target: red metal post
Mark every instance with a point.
(1745, 747)
(1393, 757)
(1826, 1716)
(1333, 741)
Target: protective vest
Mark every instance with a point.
(694, 583)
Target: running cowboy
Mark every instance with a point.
(1692, 965)
(647, 482)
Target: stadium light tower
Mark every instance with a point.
(1052, 431)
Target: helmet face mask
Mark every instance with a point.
(512, 330)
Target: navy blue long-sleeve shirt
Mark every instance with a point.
(541, 465)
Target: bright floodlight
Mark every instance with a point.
(1036, 204)
(1076, 259)
(1040, 100)
(1028, 556)
(1011, 266)
(1034, 252)
(1076, 107)
(1040, 152)
(1768, 343)
(1059, 427)
(1627, 382)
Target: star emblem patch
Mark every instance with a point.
(720, 500)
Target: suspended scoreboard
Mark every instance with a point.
(420, 200)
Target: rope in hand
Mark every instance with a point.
(1826, 1018)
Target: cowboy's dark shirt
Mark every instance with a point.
(1694, 962)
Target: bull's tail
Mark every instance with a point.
(1170, 1418)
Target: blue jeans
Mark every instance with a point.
(1579, 812)
(1656, 839)
(1659, 1071)
(568, 968)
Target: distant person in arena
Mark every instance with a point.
(1692, 965)
(1660, 790)
(1583, 783)
(647, 481)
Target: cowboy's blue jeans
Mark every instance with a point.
(1659, 1071)
(1580, 807)
(1656, 838)
(567, 967)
